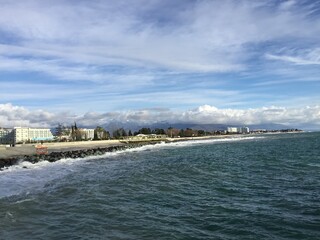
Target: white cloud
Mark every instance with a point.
(206, 36)
(19, 116)
(11, 115)
(125, 55)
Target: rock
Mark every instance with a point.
(55, 156)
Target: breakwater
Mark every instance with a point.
(64, 154)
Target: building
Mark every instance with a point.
(24, 134)
(6, 136)
(87, 133)
(244, 130)
(232, 130)
(141, 137)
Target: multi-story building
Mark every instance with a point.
(244, 130)
(238, 130)
(23, 134)
(26, 134)
(87, 133)
(232, 130)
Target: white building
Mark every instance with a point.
(87, 133)
(232, 130)
(244, 130)
(23, 134)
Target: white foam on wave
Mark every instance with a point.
(26, 177)
(187, 143)
(210, 141)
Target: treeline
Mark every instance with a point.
(76, 134)
(170, 132)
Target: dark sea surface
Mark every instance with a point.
(264, 187)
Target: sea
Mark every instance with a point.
(254, 187)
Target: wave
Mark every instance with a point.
(23, 166)
(25, 177)
(210, 141)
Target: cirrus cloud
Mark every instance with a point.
(108, 55)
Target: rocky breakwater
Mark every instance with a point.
(55, 156)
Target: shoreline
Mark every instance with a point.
(30, 149)
(72, 152)
(60, 150)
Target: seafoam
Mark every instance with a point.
(25, 177)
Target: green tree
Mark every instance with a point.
(159, 131)
(201, 132)
(181, 133)
(119, 133)
(76, 134)
(145, 131)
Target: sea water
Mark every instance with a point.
(262, 187)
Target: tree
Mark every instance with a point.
(201, 132)
(119, 133)
(62, 131)
(188, 132)
(130, 133)
(173, 132)
(100, 133)
(181, 133)
(159, 131)
(145, 131)
(76, 134)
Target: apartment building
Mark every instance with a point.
(24, 134)
(245, 130)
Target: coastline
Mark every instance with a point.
(56, 153)
(29, 149)
(60, 150)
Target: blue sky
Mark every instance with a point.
(237, 62)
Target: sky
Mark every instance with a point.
(148, 61)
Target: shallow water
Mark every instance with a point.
(244, 188)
